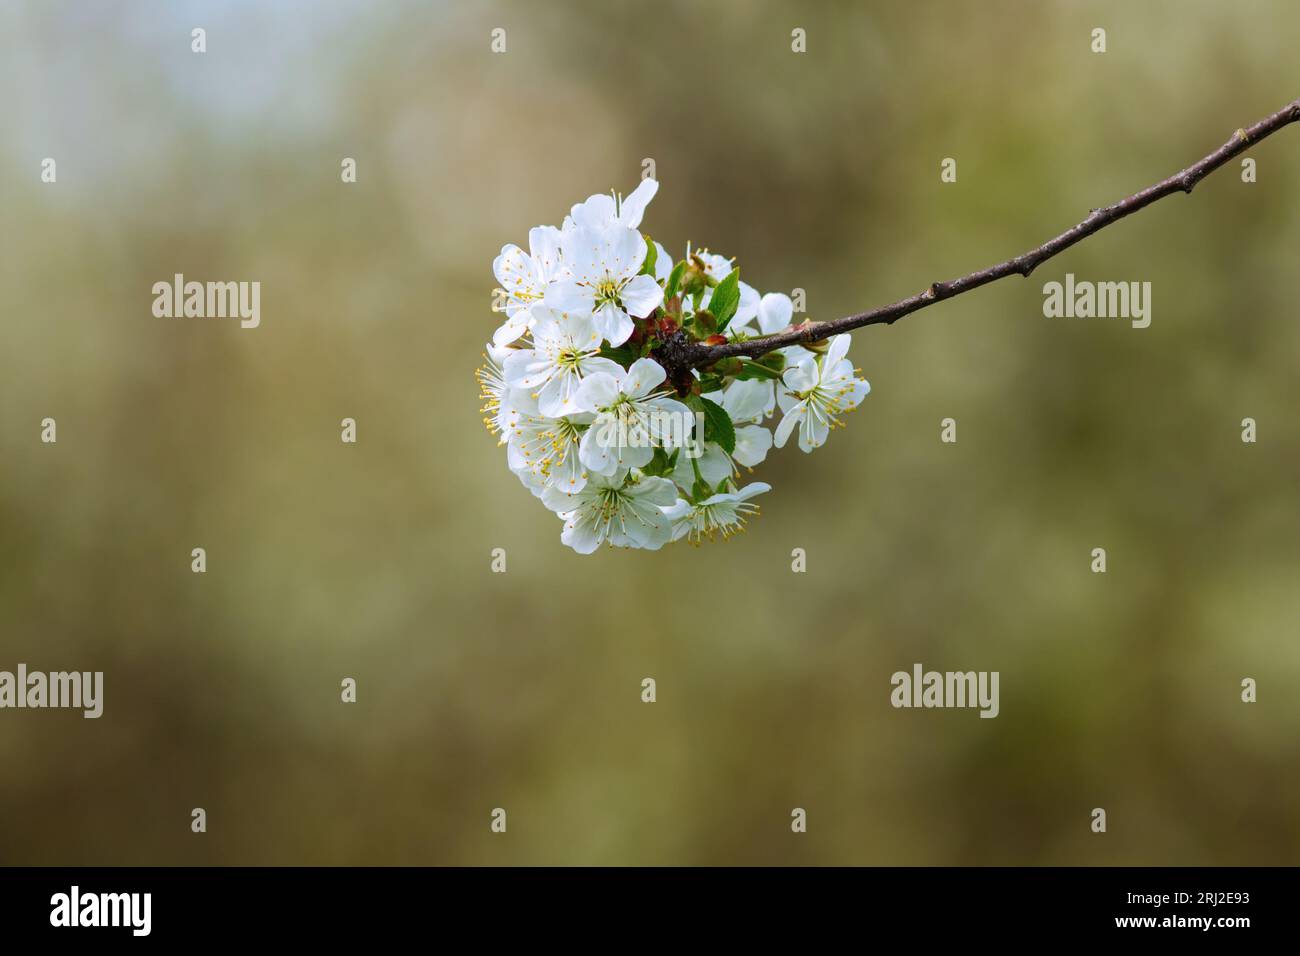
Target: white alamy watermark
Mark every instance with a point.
(75, 908)
(209, 300)
(655, 428)
(922, 688)
(1098, 300)
(76, 690)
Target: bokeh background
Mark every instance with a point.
(522, 690)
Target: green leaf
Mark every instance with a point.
(711, 382)
(705, 323)
(659, 465)
(624, 355)
(674, 280)
(651, 255)
(717, 425)
(726, 296)
(700, 490)
(750, 371)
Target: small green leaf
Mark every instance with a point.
(711, 382)
(700, 489)
(660, 464)
(726, 297)
(624, 355)
(705, 323)
(717, 426)
(674, 280)
(751, 371)
(651, 255)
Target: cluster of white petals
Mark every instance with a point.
(590, 423)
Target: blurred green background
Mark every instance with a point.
(522, 690)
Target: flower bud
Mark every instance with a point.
(695, 278)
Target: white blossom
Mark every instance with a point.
(574, 387)
(524, 278)
(604, 210)
(816, 392)
(631, 417)
(492, 389)
(723, 514)
(546, 449)
(621, 509)
(775, 310)
(564, 351)
(602, 280)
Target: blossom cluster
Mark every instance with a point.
(591, 423)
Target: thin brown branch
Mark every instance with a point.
(697, 355)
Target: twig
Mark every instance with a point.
(696, 355)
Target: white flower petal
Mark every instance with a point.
(597, 457)
(747, 308)
(775, 311)
(613, 323)
(643, 377)
(803, 376)
(582, 532)
(544, 244)
(752, 489)
(524, 369)
(598, 390)
(513, 269)
(793, 415)
(838, 348)
(663, 263)
(597, 212)
(594, 363)
(569, 295)
(715, 464)
(633, 206)
(812, 433)
(511, 330)
(557, 398)
(671, 422)
(645, 524)
(624, 251)
(753, 442)
(745, 400)
(658, 491)
(641, 296)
